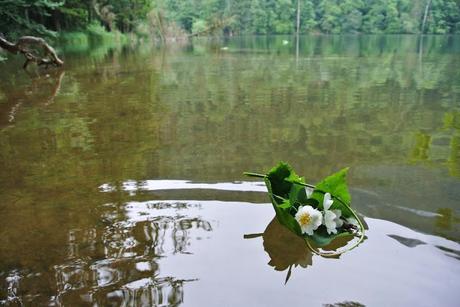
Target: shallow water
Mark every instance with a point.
(121, 176)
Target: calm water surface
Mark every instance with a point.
(121, 175)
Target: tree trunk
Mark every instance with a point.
(298, 18)
(57, 23)
(89, 12)
(26, 13)
(427, 9)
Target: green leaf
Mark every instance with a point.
(287, 220)
(336, 184)
(277, 177)
(321, 238)
(282, 206)
(297, 195)
(285, 205)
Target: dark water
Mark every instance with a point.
(121, 175)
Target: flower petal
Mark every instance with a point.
(329, 217)
(329, 221)
(309, 191)
(309, 219)
(327, 201)
(318, 220)
(338, 220)
(337, 212)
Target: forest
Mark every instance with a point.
(228, 17)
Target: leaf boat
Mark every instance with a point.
(287, 193)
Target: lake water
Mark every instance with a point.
(121, 175)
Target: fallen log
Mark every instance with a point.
(23, 45)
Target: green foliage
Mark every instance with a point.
(277, 176)
(75, 38)
(96, 32)
(46, 17)
(287, 193)
(336, 185)
(326, 16)
(199, 25)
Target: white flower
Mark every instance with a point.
(309, 191)
(338, 221)
(331, 217)
(309, 219)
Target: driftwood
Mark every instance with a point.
(23, 46)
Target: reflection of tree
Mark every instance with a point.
(41, 88)
(440, 145)
(160, 292)
(349, 101)
(447, 223)
(375, 103)
(118, 263)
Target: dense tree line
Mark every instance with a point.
(235, 16)
(322, 16)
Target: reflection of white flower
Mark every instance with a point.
(309, 191)
(309, 219)
(331, 217)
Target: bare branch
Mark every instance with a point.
(50, 56)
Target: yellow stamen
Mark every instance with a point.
(304, 219)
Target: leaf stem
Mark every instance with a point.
(254, 175)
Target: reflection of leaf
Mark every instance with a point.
(284, 248)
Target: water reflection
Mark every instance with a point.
(345, 304)
(450, 252)
(407, 241)
(118, 263)
(42, 90)
(284, 248)
(127, 126)
(287, 251)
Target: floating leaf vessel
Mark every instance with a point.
(287, 193)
